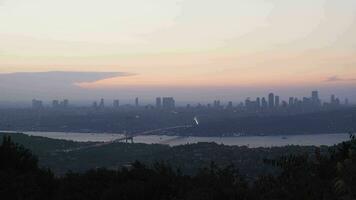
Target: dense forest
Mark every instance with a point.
(320, 176)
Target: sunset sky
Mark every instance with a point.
(184, 43)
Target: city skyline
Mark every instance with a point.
(270, 101)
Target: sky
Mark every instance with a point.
(192, 49)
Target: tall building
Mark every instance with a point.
(332, 99)
(258, 102)
(102, 103)
(276, 101)
(315, 95)
(37, 104)
(291, 101)
(271, 100)
(64, 103)
(55, 104)
(315, 98)
(158, 102)
(217, 104)
(95, 104)
(168, 103)
(116, 103)
(136, 102)
(264, 103)
(229, 105)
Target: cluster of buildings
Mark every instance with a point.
(161, 103)
(272, 102)
(38, 104)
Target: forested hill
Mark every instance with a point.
(318, 176)
(189, 158)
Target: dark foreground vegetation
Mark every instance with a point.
(330, 176)
(53, 154)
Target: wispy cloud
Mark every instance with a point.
(338, 79)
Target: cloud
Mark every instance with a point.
(338, 79)
(49, 84)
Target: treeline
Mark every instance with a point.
(331, 176)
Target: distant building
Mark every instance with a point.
(264, 103)
(229, 105)
(116, 103)
(168, 102)
(332, 99)
(55, 104)
(102, 103)
(37, 104)
(346, 101)
(95, 104)
(276, 101)
(60, 104)
(216, 104)
(158, 102)
(271, 100)
(291, 101)
(315, 98)
(64, 103)
(284, 104)
(258, 102)
(136, 102)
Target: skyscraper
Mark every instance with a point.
(55, 104)
(258, 102)
(332, 99)
(136, 102)
(291, 101)
(315, 95)
(315, 98)
(271, 100)
(65, 103)
(264, 103)
(116, 103)
(158, 102)
(168, 103)
(276, 101)
(102, 103)
(37, 104)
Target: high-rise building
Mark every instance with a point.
(64, 103)
(95, 104)
(284, 104)
(116, 103)
(136, 102)
(315, 95)
(37, 104)
(168, 102)
(258, 102)
(315, 98)
(346, 101)
(55, 104)
(217, 104)
(229, 105)
(276, 101)
(264, 103)
(271, 100)
(291, 101)
(332, 99)
(158, 102)
(102, 103)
